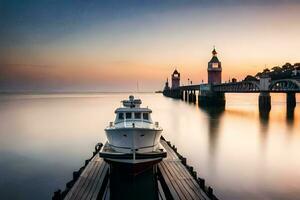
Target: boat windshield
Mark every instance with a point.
(146, 116)
(137, 115)
(121, 116)
(128, 115)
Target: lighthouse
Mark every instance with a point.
(175, 79)
(214, 69)
(207, 96)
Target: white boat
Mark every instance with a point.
(133, 138)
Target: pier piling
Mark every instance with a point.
(212, 99)
(264, 102)
(290, 100)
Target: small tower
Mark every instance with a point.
(167, 85)
(175, 79)
(214, 69)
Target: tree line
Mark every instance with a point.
(285, 71)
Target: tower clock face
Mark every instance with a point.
(215, 65)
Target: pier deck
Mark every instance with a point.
(175, 178)
(92, 183)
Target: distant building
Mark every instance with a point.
(167, 87)
(175, 79)
(296, 72)
(214, 69)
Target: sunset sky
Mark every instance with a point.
(75, 45)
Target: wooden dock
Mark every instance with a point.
(175, 180)
(92, 183)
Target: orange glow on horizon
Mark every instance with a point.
(247, 40)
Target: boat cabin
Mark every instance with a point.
(133, 112)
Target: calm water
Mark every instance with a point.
(44, 138)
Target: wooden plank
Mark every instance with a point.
(171, 155)
(80, 181)
(93, 180)
(177, 177)
(103, 176)
(181, 179)
(90, 181)
(168, 182)
(182, 193)
(192, 181)
(184, 181)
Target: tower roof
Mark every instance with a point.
(175, 72)
(214, 52)
(214, 58)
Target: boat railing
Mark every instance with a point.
(133, 120)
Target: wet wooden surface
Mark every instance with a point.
(176, 180)
(92, 182)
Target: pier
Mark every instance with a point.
(173, 179)
(178, 180)
(212, 94)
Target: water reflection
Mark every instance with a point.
(242, 154)
(214, 116)
(290, 113)
(264, 116)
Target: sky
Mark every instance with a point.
(113, 46)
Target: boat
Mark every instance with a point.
(133, 140)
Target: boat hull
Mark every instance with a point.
(133, 162)
(130, 168)
(127, 140)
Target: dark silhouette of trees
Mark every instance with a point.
(265, 71)
(276, 69)
(250, 78)
(285, 71)
(258, 75)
